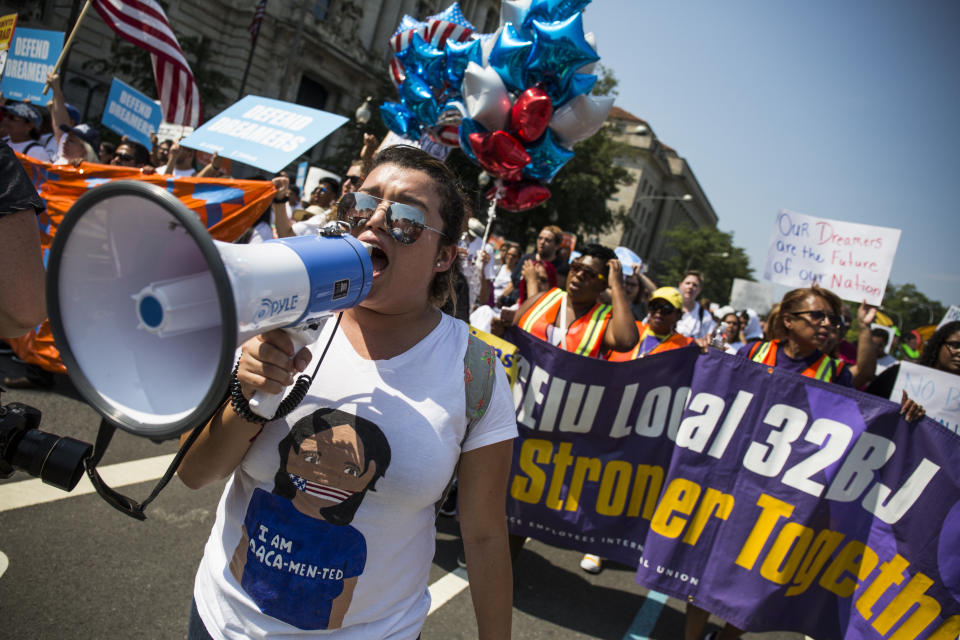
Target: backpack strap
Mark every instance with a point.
(478, 378)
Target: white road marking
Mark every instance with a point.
(26, 493)
(4, 563)
(444, 589)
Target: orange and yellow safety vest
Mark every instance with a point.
(584, 336)
(673, 341)
(823, 368)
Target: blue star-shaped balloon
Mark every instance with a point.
(459, 54)
(559, 51)
(580, 84)
(416, 95)
(552, 10)
(509, 57)
(421, 59)
(400, 120)
(546, 158)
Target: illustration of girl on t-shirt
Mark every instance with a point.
(298, 557)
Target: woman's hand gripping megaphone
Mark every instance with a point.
(268, 364)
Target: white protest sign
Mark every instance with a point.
(437, 150)
(952, 314)
(746, 294)
(852, 260)
(312, 179)
(170, 131)
(938, 392)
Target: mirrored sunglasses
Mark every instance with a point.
(405, 222)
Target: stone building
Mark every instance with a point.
(327, 54)
(664, 194)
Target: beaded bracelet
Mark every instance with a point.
(240, 405)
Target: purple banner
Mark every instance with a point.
(772, 500)
(595, 445)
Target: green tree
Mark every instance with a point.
(706, 249)
(910, 308)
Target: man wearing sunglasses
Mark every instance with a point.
(576, 320)
(659, 333)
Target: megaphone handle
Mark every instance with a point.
(266, 404)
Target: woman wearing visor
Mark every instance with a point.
(326, 525)
(802, 330)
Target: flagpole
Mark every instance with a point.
(253, 46)
(66, 45)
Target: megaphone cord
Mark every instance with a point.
(302, 385)
(105, 433)
(296, 395)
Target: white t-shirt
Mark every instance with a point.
(37, 150)
(501, 280)
(693, 324)
(296, 565)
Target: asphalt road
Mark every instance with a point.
(75, 567)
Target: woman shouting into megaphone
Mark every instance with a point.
(327, 519)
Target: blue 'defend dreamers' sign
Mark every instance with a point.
(131, 113)
(32, 55)
(264, 133)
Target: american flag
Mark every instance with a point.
(449, 23)
(258, 14)
(143, 23)
(319, 490)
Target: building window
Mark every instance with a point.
(311, 93)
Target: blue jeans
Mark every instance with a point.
(196, 630)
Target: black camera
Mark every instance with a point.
(57, 460)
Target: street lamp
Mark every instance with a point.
(363, 113)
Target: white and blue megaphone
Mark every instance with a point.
(148, 311)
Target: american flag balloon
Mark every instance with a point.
(449, 23)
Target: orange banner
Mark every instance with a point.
(227, 207)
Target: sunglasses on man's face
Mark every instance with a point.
(662, 307)
(585, 271)
(404, 221)
(354, 180)
(124, 156)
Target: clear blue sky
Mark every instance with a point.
(846, 110)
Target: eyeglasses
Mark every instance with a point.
(819, 316)
(354, 180)
(406, 222)
(662, 307)
(587, 272)
(126, 157)
(953, 345)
